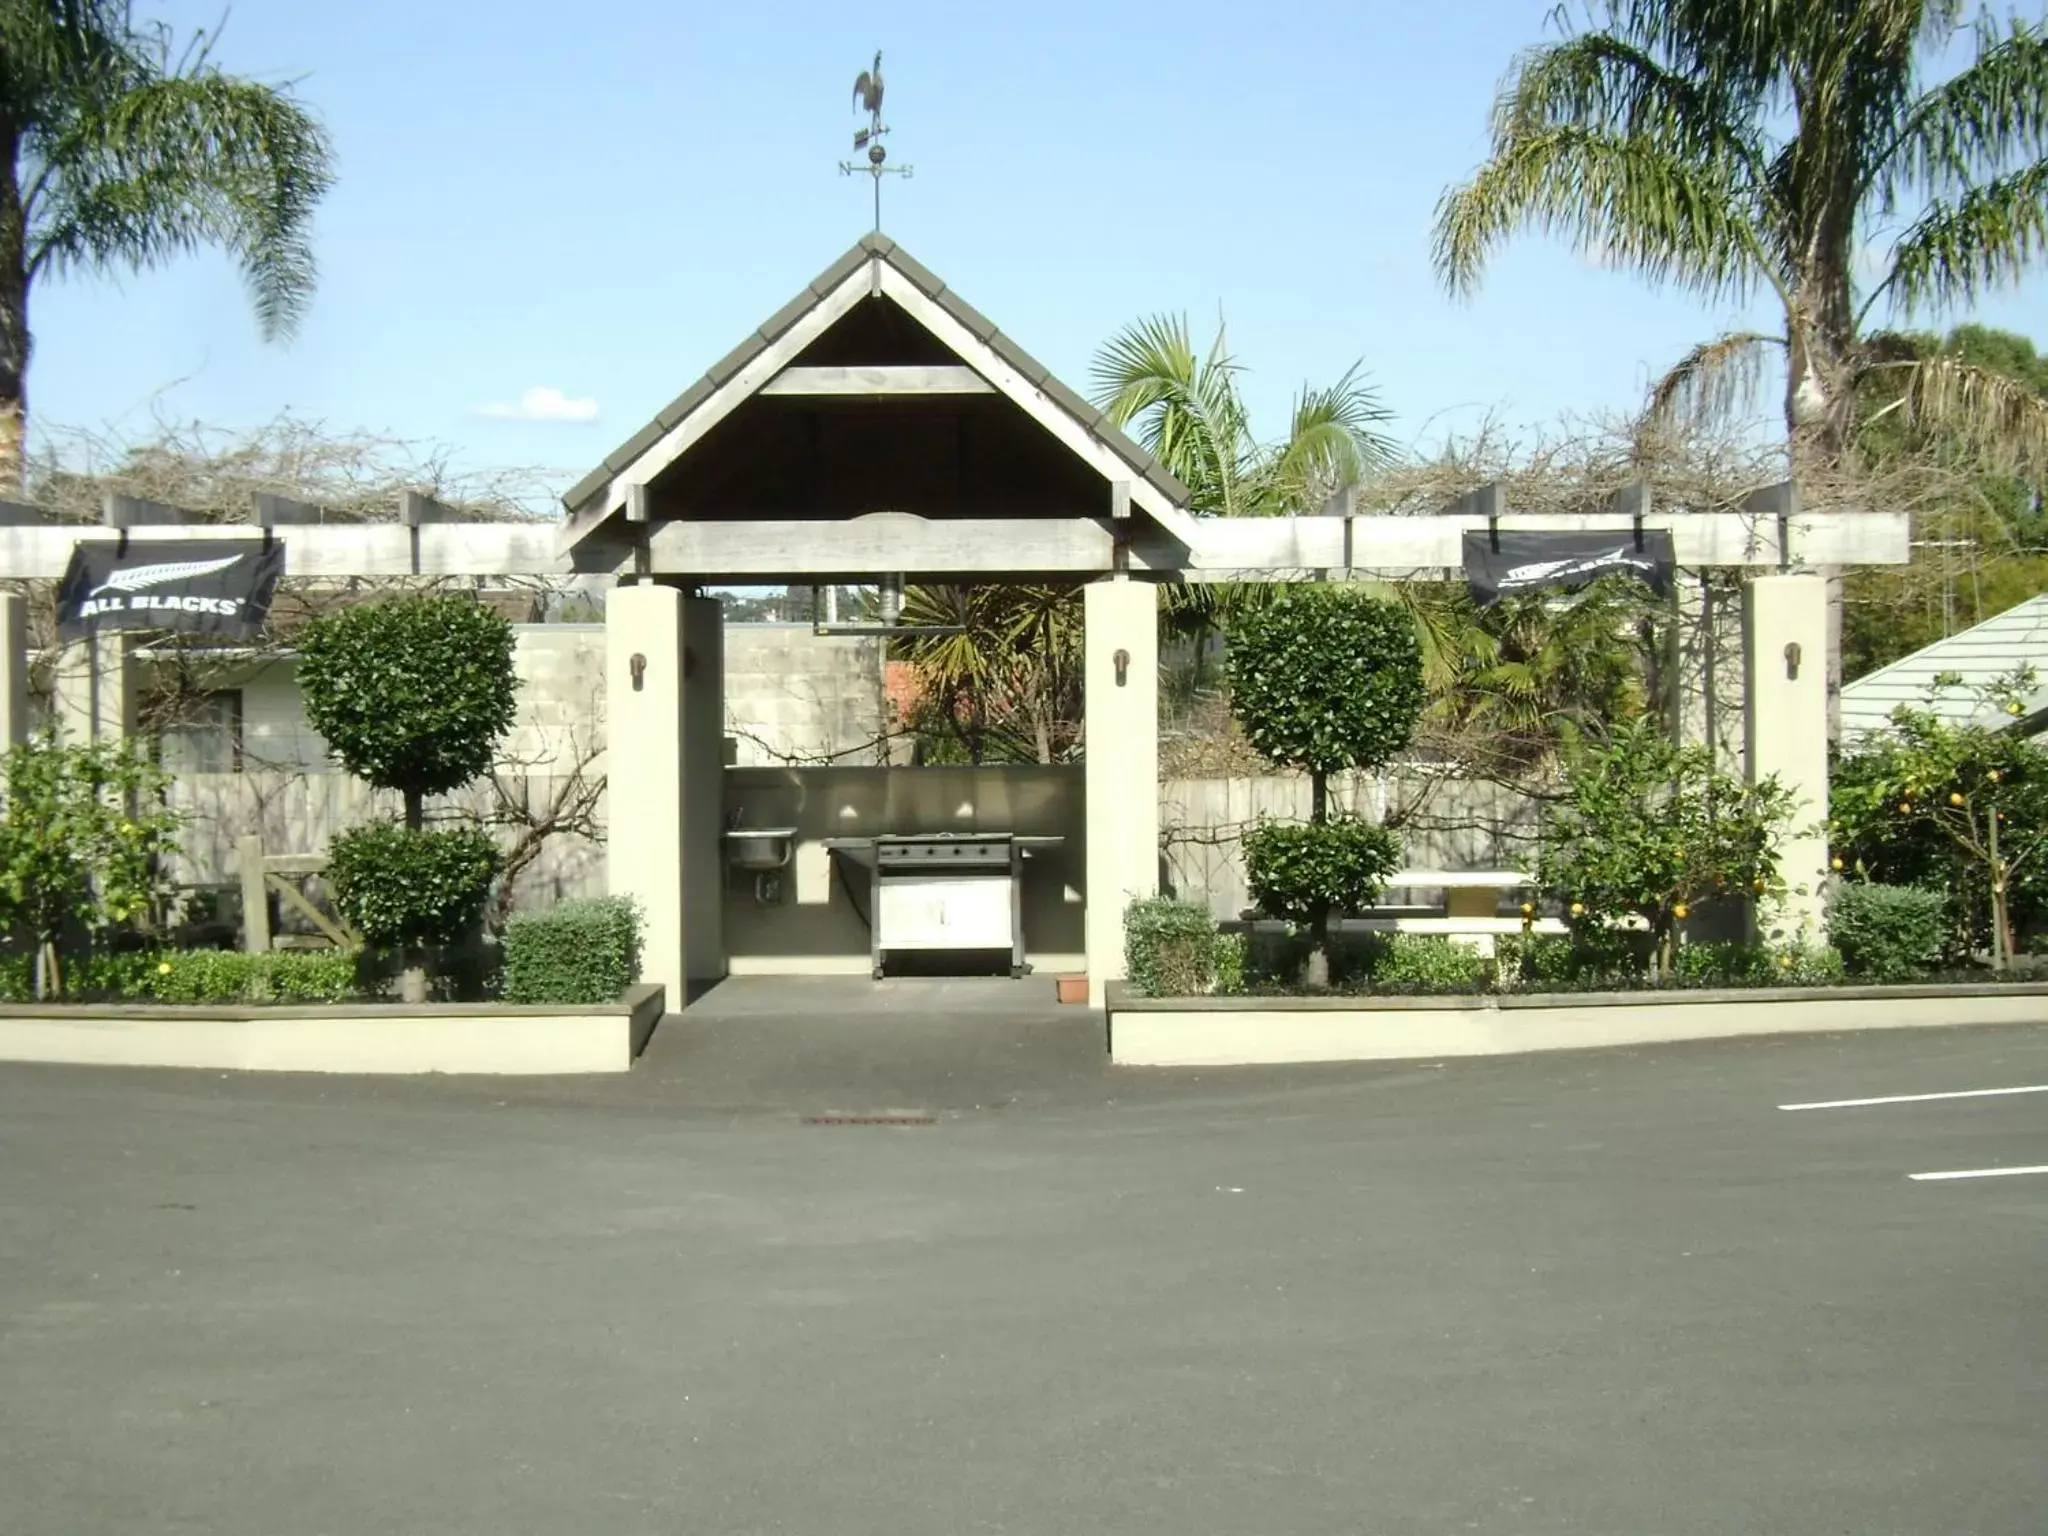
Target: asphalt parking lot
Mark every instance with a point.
(1620, 1291)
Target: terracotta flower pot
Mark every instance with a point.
(1073, 989)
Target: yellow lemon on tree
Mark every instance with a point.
(2013, 707)
(1528, 909)
(1955, 797)
(1837, 863)
(1680, 910)
(1757, 884)
(1578, 909)
(163, 968)
(1905, 807)
(1991, 774)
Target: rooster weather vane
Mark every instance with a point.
(867, 91)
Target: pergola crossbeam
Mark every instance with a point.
(879, 381)
(1221, 549)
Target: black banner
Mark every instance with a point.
(1505, 564)
(192, 586)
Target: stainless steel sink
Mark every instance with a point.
(759, 848)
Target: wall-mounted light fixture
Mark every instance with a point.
(1123, 666)
(637, 665)
(1792, 661)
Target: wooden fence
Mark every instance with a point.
(1445, 823)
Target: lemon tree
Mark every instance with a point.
(1973, 788)
(84, 832)
(1646, 828)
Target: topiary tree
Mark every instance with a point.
(413, 695)
(1646, 828)
(1323, 679)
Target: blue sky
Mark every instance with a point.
(598, 200)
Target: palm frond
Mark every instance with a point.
(1715, 382)
(1333, 440)
(1182, 405)
(1983, 239)
(2001, 420)
(1630, 201)
(175, 163)
(1607, 83)
(1975, 123)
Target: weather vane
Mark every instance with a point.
(867, 90)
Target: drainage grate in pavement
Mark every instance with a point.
(870, 1120)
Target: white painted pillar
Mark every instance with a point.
(644, 648)
(703, 791)
(14, 727)
(1785, 733)
(95, 689)
(1120, 683)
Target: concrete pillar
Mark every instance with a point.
(644, 657)
(14, 727)
(95, 689)
(703, 791)
(1785, 733)
(1120, 683)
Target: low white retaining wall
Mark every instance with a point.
(370, 1038)
(1243, 1031)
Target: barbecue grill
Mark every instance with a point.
(935, 892)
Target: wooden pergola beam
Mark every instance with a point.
(1080, 547)
(880, 380)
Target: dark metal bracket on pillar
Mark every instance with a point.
(1780, 501)
(1120, 526)
(639, 529)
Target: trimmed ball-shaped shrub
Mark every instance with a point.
(407, 889)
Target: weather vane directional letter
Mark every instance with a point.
(867, 90)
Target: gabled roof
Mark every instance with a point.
(1008, 366)
(1977, 657)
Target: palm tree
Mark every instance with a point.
(1735, 147)
(1739, 146)
(999, 670)
(1512, 685)
(118, 152)
(1185, 407)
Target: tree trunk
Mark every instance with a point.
(14, 334)
(1315, 970)
(1819, 335)
(415, 810)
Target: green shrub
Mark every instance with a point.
(1736, 964)
(1305, 874)
(1416, 962)
(1590, 959)
(1888, 932)
(311, 976)
(1232, 954)
(403, 889)
(576, 952)
(1169, 947)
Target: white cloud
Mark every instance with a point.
(541, 403)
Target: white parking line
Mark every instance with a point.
(1976, 1173)
(1918, 1098)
